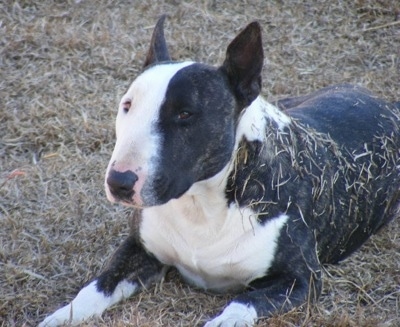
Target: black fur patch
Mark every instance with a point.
(207, 108)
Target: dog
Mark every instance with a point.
(238, 194)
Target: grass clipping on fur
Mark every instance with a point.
(63, 67)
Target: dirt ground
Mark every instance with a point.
(63, 67)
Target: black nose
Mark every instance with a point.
(121, 184)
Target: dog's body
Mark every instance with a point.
(237, 194)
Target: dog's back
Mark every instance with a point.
(362, 192)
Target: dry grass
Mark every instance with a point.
(63, 66)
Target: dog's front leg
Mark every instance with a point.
(130, 268)
(293, 280)
(278, 296)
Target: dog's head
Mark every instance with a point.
(176, 123)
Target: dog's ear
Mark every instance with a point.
(158, 46)
(243, 64)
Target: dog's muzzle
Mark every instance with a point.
(121, 184)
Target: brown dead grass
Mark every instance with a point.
(63, 66)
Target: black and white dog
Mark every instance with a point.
(237, 194)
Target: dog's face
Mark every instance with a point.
(176, 125)
(170, 123)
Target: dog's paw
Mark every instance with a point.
(235, 315)
(65, 315)
(88, 303)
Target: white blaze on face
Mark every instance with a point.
(137, 142)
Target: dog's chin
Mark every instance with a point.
(125, 202)
(128, 203)
(141, 203)
(132, 204)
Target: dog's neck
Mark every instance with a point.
(252, 126)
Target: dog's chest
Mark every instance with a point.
(221, 249)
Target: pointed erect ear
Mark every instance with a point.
(243, 64)
(158, 47)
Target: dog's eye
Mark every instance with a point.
(183, 115)
(126, 106)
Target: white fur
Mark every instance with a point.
(88, 303)
(252, 123)
(235, 315)
(214, 246)
(137, 144)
